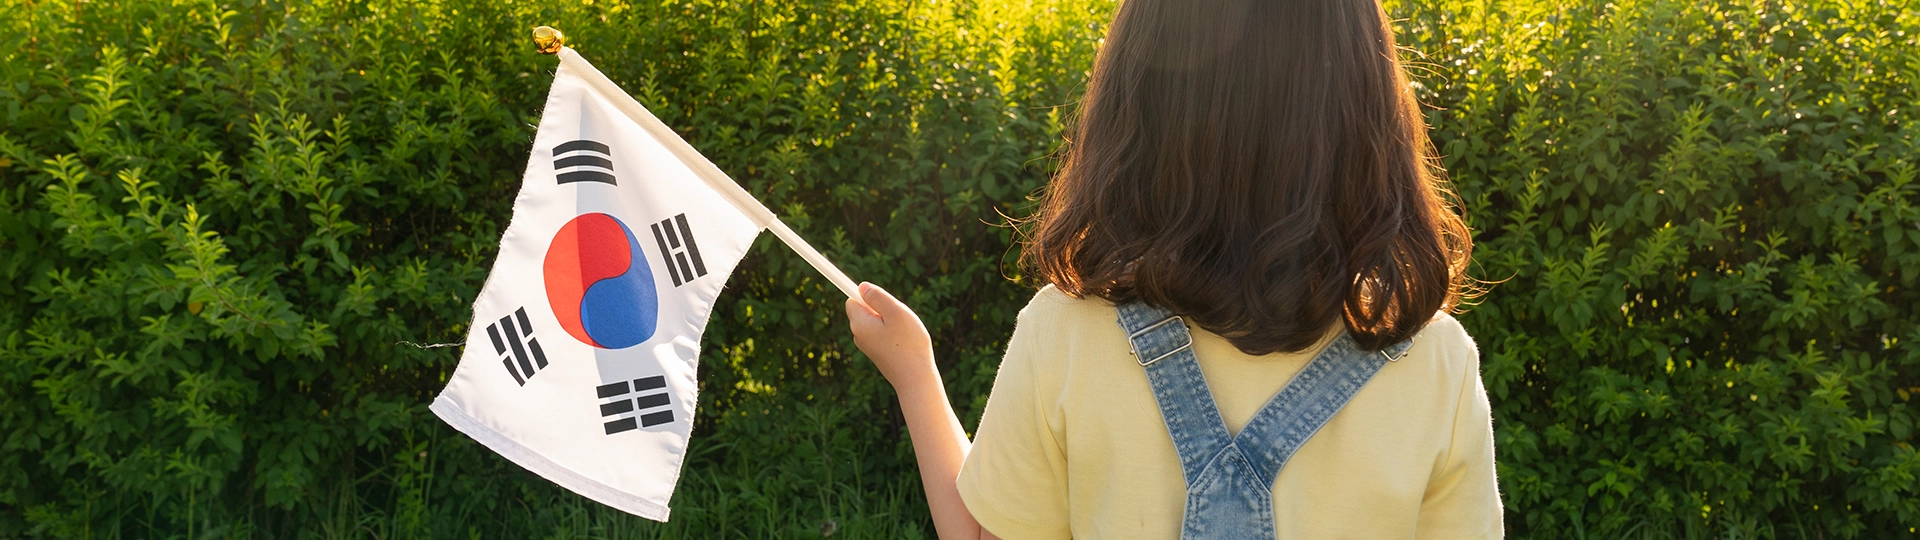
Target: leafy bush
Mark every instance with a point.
(230, 231)
(230, 236)
(1701, 220)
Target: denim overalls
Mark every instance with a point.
(1230, 478)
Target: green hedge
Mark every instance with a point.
(1701, 220)
(231, 234)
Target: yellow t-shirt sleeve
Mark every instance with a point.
(1014, 481)
(1463, 497)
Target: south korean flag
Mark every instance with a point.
(580, 363)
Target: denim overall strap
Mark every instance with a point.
(1163, 346)
(1309, 400)
(1230, 478)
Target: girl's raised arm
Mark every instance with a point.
(893, 337)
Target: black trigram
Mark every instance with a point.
(511, 342)
(622, 405)
(583, 161)
(678, 250)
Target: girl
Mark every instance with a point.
(1250, 260)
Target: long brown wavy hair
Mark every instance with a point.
(1259, 167)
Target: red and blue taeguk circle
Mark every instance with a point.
(599, 284)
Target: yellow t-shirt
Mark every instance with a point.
(1072, 443)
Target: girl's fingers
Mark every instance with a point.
(881, 303)
(858, 312)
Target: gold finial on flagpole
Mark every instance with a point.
(547, 40)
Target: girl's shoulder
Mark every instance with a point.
(1444, 334)
(1055, 308)
(1440, 365)
(1062, 328)
(1051, 297)
(1057, 332)
(1446, 340)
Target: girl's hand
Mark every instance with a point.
(893, 337)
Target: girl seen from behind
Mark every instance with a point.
(1249, 258)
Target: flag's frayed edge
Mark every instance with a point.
(533, 461)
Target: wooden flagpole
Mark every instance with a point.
(550, 41)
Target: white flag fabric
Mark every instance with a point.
(580, 363)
